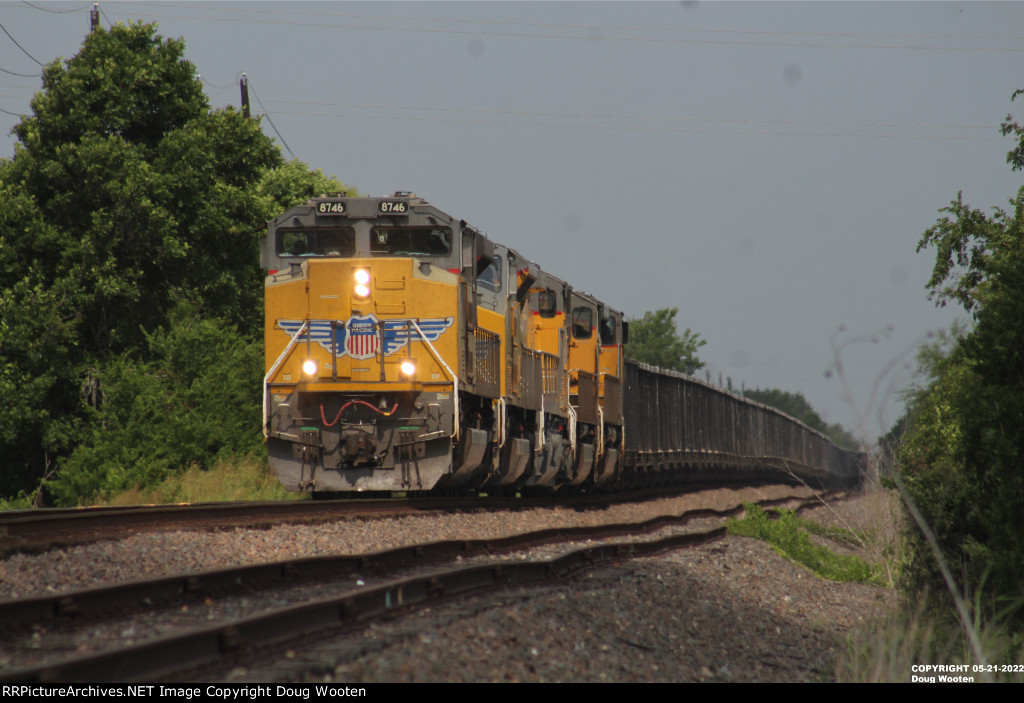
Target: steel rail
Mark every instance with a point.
(154, 658)
(167, 655)
(48, 523)
(37, 529)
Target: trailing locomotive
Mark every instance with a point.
(405, 351)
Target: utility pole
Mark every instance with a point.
(244, 85)
(94, 17)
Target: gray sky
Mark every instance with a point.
(767, 168)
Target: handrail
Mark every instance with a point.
(502, 410)
(451, 374)
(572, 428)
(273, 370)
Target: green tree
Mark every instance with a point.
(126, 199)
(127, 83)
(654, 339)
(796, 405)
(144, 189)
(963, 455)
(930, 360)
(793, 404)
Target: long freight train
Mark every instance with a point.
(405, 351)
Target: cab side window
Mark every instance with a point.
(607, 331)
(582, 323)
(546, 303)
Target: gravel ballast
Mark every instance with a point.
(151, 554)
(730, 611)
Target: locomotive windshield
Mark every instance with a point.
(320, 241)
(406, 241)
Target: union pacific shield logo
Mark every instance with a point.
(358, 338)
(361, 341)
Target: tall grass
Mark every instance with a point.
(888, 651)
(232, 479)
(966, 635)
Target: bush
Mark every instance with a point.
(963, 457)
(194, 400)
(963, 462)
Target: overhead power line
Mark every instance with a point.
(602, 27)
(633, 128)
(266, 114)
(214, 86)
(58, 12)
(110, 25)
(23, 75)
(589, 37)
(23, 49)
(655, 118)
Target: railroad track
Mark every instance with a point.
(38, 530)
(41, 529)
(294, 604)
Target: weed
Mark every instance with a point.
(21, 502)
(888, 651)
(789, 536)
(235, 478)
(885, 652)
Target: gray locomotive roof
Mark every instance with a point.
(366, 207)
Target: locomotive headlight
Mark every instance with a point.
(408, 368)
(362, 287)
(309, 367)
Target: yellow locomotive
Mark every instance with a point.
(406, 351)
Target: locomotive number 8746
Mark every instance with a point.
(405, 351)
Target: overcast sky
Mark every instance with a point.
(767, 168)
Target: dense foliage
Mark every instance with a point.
(963, 457)
(654, 339)
(130, 288)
